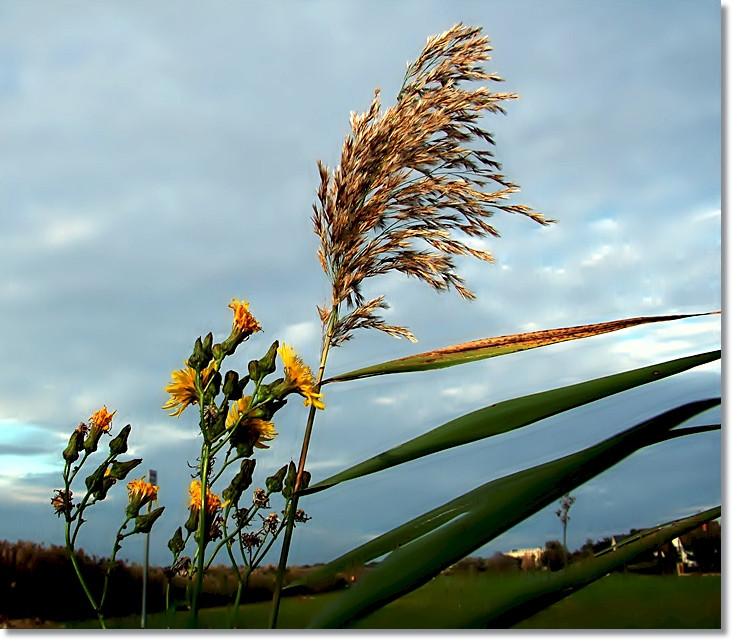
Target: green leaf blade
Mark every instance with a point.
(513, 414)
(515, 605)
(492, 509)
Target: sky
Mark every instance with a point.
(158, 160)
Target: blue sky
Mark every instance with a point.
(158, 160)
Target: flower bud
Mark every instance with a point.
(212, 388)
(241, 481)
(192, 522)
(118, 445)
(274, 483)
(176, 544)
(76, 443)
(267, 362)
(91, 442)
(202, 353)
(231, 386)
(289, 481)
(144, 522)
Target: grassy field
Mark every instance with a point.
(616, 601)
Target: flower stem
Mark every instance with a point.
(290, 516)
(77, 569)
(201, 534)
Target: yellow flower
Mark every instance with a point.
(265, 430)
(299, 378)
(244, 322)
(213, 502)
(212, 513)
(102, 419)
(183, 388)
(140, 492)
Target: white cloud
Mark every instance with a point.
(301, 334)
(711, 214)
(69, 232)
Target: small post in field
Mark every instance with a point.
(153, 480)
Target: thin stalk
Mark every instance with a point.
(235, 565)
(167, 604)
(118, 538)
(201, 534)
(84, 586)
(290, 515)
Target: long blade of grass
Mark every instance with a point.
(498, 345)
(518, 603)
(401, 535)
(484, 513)
(513, 414)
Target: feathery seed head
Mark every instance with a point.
(409, 178)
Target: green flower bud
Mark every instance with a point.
(144, 522)
(91, 442)
(192, 522)
(76, 444)
(206, 345)
(290, 481)
(231, 386)
(201, 355)
(120, 469)
(118, 445)
(176, 544)
(274, 483)
(267, 362)
(241, 481)
(253, 370)
(94, 480)
(212, 389)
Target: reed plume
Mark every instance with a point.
(409, 180)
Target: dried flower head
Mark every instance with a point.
(260, 498)
(270, 523)
(250, 540)
(61, 502)
(411, 177)
(301, 516)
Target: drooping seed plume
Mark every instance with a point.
(413, 182)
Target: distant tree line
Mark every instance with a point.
(39, 581)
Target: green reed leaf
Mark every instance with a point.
(517, 603)
(513, 414)
(470, 521)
